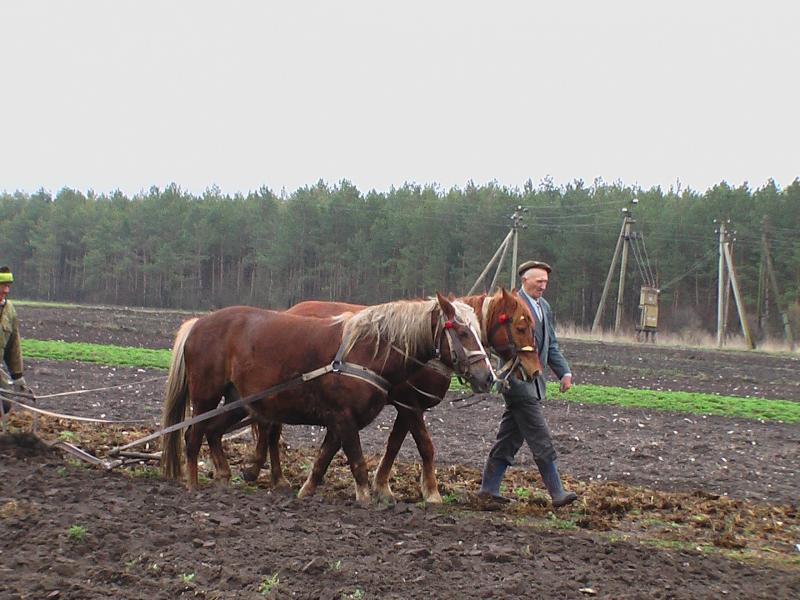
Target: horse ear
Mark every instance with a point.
(451, 296)
(508, 298)
(448, 310)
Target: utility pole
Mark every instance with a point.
(773, 283)
(510, 240)
(517, 219)
(726, 260)
(626, 235)
(622, 244)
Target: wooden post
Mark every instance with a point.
(500, 265)
(721, 287)
(599, 314)
(737, 296)
(773, 282)
(490, 263)
(626, 228)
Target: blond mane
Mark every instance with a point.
(405, 324)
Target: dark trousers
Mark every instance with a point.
(523, 421)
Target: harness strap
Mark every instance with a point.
(348, 369)
(422, 393)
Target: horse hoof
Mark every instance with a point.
(305, 492)
(250, 474)
(385, 498)
(434, 498)
(282, 485)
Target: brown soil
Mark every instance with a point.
(672, 505)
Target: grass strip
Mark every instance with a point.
(685, 402)
(96, 353)
(43, 303)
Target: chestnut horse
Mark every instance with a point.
(506, 326)
(242, 351)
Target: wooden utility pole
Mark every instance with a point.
(622, 244)
(517, 220)
(626, 228)
(510, 240)
(725, 256)
(721, 289)
(773, 283)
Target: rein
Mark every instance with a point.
(337, 366)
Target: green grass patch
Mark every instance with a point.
(688, 402)
(43, 303)
(96, 353)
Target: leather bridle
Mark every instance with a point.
(514, 363)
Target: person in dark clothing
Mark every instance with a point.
(523, 419)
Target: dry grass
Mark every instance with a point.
(684, 339)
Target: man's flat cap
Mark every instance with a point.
(533, 264)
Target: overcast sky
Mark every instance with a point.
(108, 95)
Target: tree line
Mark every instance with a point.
(173, 249)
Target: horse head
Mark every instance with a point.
(509, 331)
(459, 346)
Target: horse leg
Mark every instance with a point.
(259, 456)
(351, 444)
(215, 429)
(380, 483)
(275, 471)
(330, 446)
(428, 482)
(222, 469)
(193, 439)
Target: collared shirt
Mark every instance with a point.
(535, 303)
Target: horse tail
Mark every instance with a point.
(175, 405)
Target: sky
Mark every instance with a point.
(107, 95)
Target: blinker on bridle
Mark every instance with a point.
(460, 357)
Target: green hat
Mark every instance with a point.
(6, 276)
(533, 264)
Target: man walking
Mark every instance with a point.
(9, 340)
(523, 419)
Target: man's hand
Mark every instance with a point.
(21, 386)
(566, 383)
